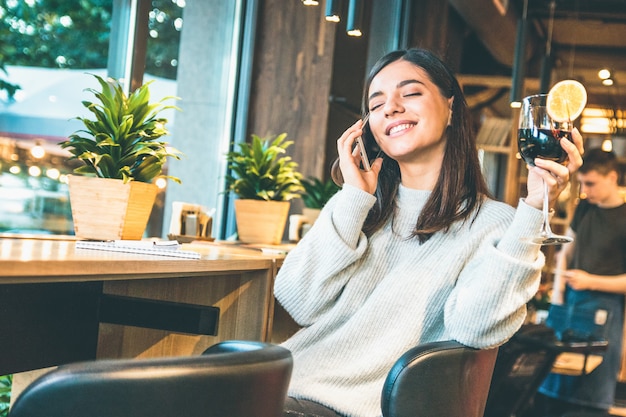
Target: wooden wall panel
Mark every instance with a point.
(291, 79)
(430, 25)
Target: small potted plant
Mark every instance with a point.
(315, 196)
(265, 180)
(6, 382)
(112, 194)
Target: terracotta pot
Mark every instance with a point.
(261, 221)
(108, 209)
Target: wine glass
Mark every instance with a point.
(538, 137)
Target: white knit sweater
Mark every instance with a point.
(363, 302)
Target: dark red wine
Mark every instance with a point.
(541, 143)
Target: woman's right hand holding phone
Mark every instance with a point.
(350, 161)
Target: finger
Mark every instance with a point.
(574, 151)
(545, 177)
(348, 137)
(552, 172)
(344, 143)
(578, 140)
(377, 165)
(356, 129)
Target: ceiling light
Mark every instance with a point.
(602, 121)
(519, 61)
(603, 74)
(332, 10)
(310, 2)
(592, 127)
(596, 112)
(607, 81)
(355, 18)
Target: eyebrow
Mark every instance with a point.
(399, 85)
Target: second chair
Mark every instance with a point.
(439, 379)
(234, 379)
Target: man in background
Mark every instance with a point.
(591, 274)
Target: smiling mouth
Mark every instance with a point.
(400, 128)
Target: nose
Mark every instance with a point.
(393, 105)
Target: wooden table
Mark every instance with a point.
(50, 296)
(570, 363)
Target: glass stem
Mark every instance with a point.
(547, 231)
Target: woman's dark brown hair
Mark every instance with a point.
(460, 187)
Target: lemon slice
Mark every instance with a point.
(566, 100)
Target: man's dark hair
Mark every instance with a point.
(598, 160)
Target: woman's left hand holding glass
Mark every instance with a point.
(350, 161)
(555, 175)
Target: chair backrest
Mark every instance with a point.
(248, 379)
(439, 379)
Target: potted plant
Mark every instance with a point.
(112, 195)
(315, 196)
(6, 382)
(265, 180)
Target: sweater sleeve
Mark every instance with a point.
(488, 304)
(307, 284)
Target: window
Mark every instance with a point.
(49, 49)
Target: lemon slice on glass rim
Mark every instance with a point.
(566, 100)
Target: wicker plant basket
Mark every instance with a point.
(261, 221)
(108, 209)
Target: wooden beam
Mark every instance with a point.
(495, 81)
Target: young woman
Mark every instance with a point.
(413, 250)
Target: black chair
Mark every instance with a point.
(439, 379)
(233, 379)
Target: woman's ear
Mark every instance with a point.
(450, 101)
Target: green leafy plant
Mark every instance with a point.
(121, 142)
(6, 383)
(317, 193)
(262, 171)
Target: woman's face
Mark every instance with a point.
(408, 114)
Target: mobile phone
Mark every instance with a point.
(359, 141)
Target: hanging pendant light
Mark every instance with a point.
(519, 59)
(546, 61)
(355, 18)
(332, 10)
